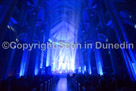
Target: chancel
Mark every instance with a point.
(68, 45)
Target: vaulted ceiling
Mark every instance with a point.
(64, 17)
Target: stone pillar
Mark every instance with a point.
(30, 37)
(121, 36)
(5, 17)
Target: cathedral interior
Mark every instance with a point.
(67, 45)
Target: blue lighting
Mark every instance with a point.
(42, 56)
(47, 60)
(50, 40)
(62, 59)
(36, 66)
(89, 62)
(36, 71)
(79, 69)
(23, 63)
(134, 66)
(84, 68)
(98, 62)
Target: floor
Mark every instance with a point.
(63, 85)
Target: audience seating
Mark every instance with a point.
(106, 82)
(29, 83)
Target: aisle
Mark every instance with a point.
(62, 85)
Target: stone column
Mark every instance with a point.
(5, 17)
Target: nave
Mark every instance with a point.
(37, 39)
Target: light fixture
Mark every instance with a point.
(106, 40)
(135, 26)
